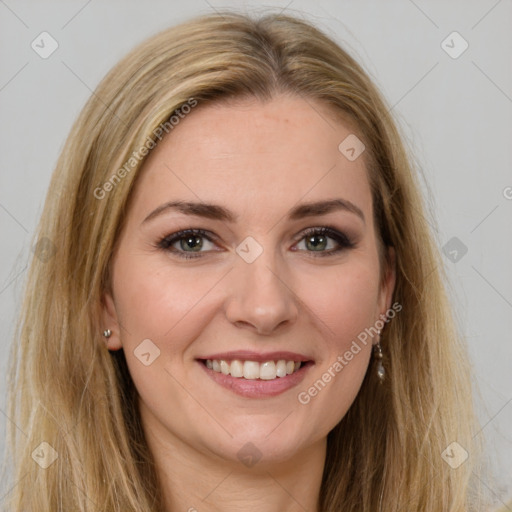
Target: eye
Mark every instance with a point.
(316, 240)
(186, 239)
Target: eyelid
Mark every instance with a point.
(170, 239)
(323, 229)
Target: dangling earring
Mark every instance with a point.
(107, 333)
(377, 354)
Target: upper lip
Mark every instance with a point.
(248, 355)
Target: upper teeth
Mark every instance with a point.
(252, 369)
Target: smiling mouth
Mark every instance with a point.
(253, 370)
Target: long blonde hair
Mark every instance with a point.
(67, 390)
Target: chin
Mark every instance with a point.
(259, 446)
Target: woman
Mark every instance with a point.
(235, 299)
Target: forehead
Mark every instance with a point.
(259, 158)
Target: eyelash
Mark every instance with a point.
(343, 241)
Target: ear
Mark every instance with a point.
(388, 283)
(110, 321)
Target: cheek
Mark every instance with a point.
(159, 303)
(166, 306)
(344, 299)
(347, 310)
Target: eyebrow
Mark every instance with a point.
(217, 212)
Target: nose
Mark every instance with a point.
(261, 299)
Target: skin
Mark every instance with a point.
(259, 160)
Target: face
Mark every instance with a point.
(226, 329)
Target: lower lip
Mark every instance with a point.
(257, 388)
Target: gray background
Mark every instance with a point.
(455, 113)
